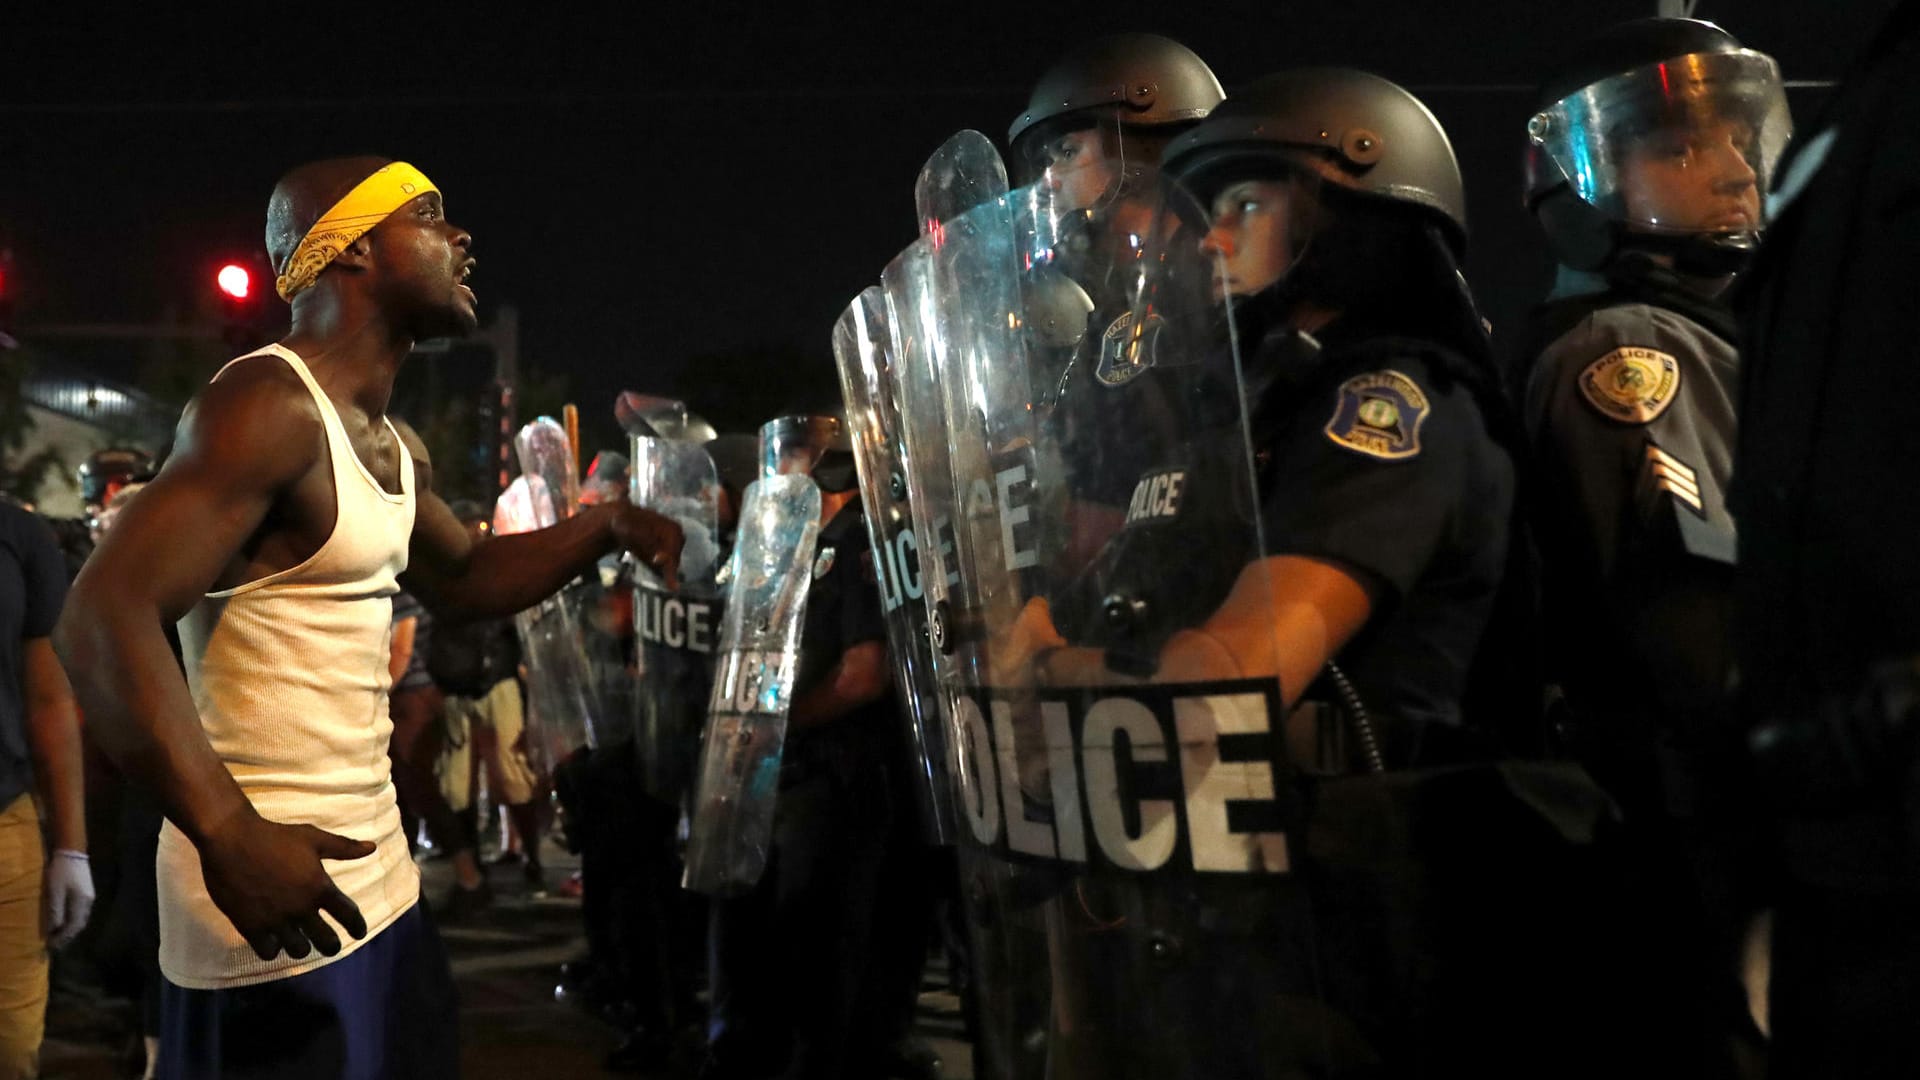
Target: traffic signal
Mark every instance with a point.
(240, 305)
(235, 281)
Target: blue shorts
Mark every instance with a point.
(387, 1012)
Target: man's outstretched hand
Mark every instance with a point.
(653, 538)
(268, 879)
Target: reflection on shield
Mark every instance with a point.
(677, 631)
(862, 347)
(739, 770)
(1081, 492)
(562, 708)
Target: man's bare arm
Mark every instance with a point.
(859, 677)
(167, 548)
(460, 578)
(235, 453)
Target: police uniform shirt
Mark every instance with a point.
(1385, 465)
(1632, 414)
(843, 605)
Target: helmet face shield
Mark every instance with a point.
(798, 444)
(1085, 159)
(1686, 145)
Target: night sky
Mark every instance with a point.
(665, 197)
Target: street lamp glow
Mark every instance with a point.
(235, 281)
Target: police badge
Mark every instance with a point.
(1631, 384)
(822, 563)
(1125, 351)
(1379, 414)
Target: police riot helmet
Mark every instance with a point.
(1367, 135)
(1379, 225)
(1138, 81)
(106, 471)
(1677, 91)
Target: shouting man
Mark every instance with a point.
(292, 509)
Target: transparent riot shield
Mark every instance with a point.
(739, 772)
(1126, 822)
(546, 452)
(563, 708)
(861, 347)
(965, 172)
(676, 630)
(665, 418)
(559, 678)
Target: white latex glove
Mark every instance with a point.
(69, 895)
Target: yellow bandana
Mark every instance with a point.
(395, 185)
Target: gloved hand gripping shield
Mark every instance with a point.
(1124, 793)
(677, 630)
(562, 707)
(739, 772)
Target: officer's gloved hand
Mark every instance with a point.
(69, 895)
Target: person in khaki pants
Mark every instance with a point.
(41, 903)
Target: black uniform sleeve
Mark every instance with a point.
(860, 616)
(45, 571)
(1632, 412)
(1374, 475)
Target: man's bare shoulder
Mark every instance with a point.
(258, 417)
(415, 444)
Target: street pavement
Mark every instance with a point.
(506, 963)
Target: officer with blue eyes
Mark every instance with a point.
(1647, 161)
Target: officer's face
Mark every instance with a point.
(1693, 178)
(1251, 235)
(1077, 166)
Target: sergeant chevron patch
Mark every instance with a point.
(1379, 414)
(1665, 473)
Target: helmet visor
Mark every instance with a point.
(797, 444)
(1685, 145)
(1087, 159)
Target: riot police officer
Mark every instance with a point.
(1334, 206)
(793, 958)
(1099, 118)
(1647, 160)
(1090, 140)
(1380, 474)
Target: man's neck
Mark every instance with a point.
(353, 352)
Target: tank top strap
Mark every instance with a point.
(339, 447)
(406, 458)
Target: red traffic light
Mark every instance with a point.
(235, 281)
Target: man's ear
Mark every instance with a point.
(358, 256)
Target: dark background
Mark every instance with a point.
(677, 202)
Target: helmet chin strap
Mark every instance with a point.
(1707, 255)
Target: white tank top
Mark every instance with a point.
(289, 673)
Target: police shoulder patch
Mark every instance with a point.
(1128, 348)
(1379, 414)
(1631, 384)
